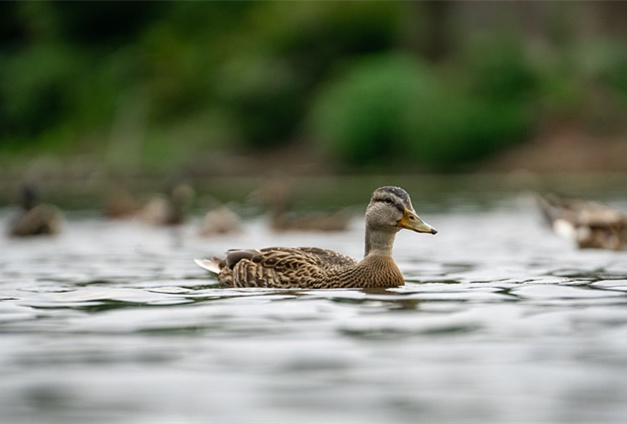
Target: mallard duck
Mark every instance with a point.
(589, 224)
(118, 202)
(275, 193)
(219, 221)
(332, 222)
(169, 208)
(389, 211)
(35, 218)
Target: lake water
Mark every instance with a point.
(500, 321)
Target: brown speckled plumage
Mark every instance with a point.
(389, 210)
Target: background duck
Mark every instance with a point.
(118, 202)
(589, 224)
(169, 208)
(276, 194)
(35, 218)
(389, 211)
(220, 220)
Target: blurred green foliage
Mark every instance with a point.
(393, 106)
(361, 116)
(158, 83)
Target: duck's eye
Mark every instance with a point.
(388, 200)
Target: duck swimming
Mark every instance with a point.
(276, 194)
(35, 218)
(390, 210)
(168, 208)
(590, 225)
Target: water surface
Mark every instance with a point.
(499, 321)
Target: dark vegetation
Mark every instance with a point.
(434, 86)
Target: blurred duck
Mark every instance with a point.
(169, 208)
(119, 203)
(220, 221)
(276, 194)
(35, 218)
(389, 211)
(589, 224)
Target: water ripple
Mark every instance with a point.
(114, 322)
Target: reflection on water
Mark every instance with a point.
(499, 322)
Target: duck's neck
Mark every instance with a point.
(379, 242)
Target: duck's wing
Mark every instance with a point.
(598, 215)
(328, 258)
(281, 267)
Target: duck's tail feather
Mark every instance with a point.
(212, 265)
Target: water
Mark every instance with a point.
(499, 321)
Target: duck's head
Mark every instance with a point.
(390, 210)
(30, 196)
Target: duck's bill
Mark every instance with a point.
(411, 221)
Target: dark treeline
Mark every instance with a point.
(433, 84)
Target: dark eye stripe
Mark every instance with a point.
(391, 201)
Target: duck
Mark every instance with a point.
(276, 194)
(35, 218)
(281, 221)
(169, 208)
(220, 220)
(591, 225)
(389, 211)
(119, 203)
